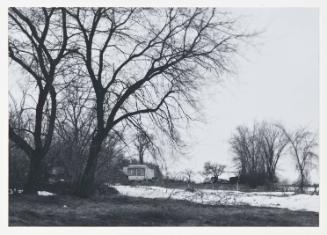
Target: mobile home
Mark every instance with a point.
(138, 172)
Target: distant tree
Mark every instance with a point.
(257, 151)
(188, 175)
(303, 144)
(73, 129)
(212, 171)
(273, 145)
(247, 155)
(142, 142)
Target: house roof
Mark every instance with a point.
(137, 165)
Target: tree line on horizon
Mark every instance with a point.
(258, 148)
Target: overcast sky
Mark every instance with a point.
(277, 81)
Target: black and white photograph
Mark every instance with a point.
(163, 116)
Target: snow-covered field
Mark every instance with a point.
(287, 200)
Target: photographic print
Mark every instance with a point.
(163, 116)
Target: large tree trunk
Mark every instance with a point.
(33, 182)
(86, 186)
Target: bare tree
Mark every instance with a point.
(188, 175)
(273, 146)
(142, 143)
(303, 144)
(22, 120)
(247, 155)
(145, 142)
(257, 152)
(74, 128)
(213, 171)
(148, 61)
(20, 117)
(38, 43)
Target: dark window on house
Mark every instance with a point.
(131, 171)
(140, 172)
(136, 171)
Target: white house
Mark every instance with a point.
(138, 172)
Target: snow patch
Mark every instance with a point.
(287, 200)
(45, 193)
(14, 191)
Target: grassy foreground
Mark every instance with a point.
(126, 211)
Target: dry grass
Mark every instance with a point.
(125, 211)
